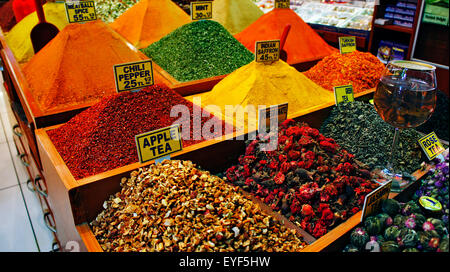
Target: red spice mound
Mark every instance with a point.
(309, 178)
(7, 19)
(362, 70)
(303, 44)
(101, 138)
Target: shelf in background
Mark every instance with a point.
(395, 28)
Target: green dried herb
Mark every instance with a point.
(358, 128)
(199, 50)
(110, 10)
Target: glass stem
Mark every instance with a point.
(393, 151)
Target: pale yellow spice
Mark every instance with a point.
(235, 15)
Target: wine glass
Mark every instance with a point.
(405, 98)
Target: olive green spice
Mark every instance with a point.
(358, 128)
(198, 50)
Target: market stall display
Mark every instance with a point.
(173, 206)
(235, 15)
(148, 21)
(101, 138)
(7, 19)
(308, 177)
(270, 26)
(358, 128)
(109, 10)
(196, 51)
(77, 66)
(18, 38)
(360, 69)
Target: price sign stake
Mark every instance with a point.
(80, 11)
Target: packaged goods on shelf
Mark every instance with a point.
(235, 15)
(197, 51)
(18, 38)
(7, 19)
(270, 26)
(109, 10)
(148, 21)
(388, 51)
(173, 207)
(362, 70)
(358, 128)
(101, 138)
(257, 84)
(308, 177)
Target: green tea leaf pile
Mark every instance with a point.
(358, 128)
(198, 50)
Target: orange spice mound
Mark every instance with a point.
(362, 70)
(76, 67)
(303, 44)
(149, 20)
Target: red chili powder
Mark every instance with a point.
(102, 137)
(303, 44)
(7, 19)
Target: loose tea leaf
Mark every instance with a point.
(110, 10)
(199, 50)
(358, 128)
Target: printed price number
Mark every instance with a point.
(431, 145)
(267, 51)
(201, 10)
(80, 11)
(132, 76)
(372, 202)
(267, 116)
(158, 143)
(347, 44)
(282, 4)
(343, 94)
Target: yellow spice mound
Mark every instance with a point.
(235, 15)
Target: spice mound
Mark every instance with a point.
(149, 20)
(235, 15)
(7, 19)
(18, 38)
(101, 138)
(174, 207)
(358, 128)
(260, 84)
(270, 26)
(76, 67)
(362, 70)
(308, 177)
(198, 50)
(109, 10)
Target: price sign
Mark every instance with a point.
(343, 94)
(80, 11)
(282, 4)
(347, 44)
(201, 10)
(268, 115)
(133, 76)
(431, 145)
(158, 143)
(267, 51)
(372, 202)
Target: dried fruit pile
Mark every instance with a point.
(399, 227)
(358, 128)
(101, 138)
(362, 70)
(309, 178)
(173, 206)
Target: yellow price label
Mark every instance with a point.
(282, 4)
(201, 10)
(343, 94)
(267, 116)
(431, 145)
(80, 11)
(347, 44)
(133, 76)
(267, 51)
(373, 200)
(158, 143)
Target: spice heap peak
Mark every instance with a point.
(235, 15)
